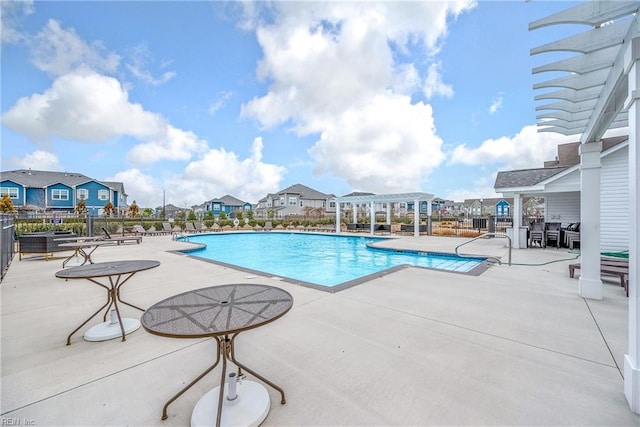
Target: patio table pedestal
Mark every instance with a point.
(222, 312)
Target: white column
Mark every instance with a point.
(516, 214)
(337, 216)
(416, 218)
(429, 212)
(590, 284)
(354, 212)
(632, 359)
(388, 214)
(372, 215)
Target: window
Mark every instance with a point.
(103, 194)
(57, 194)
(83, 194)
(282, 201)
(11, 191)
(216, 206)
(332, 204)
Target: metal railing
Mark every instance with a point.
(7, 243)
(485, 236)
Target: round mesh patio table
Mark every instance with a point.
(220, 312)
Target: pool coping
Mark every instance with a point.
(475, 271)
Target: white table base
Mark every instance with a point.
(250, 407)
(108, 330)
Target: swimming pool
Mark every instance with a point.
(318, 259)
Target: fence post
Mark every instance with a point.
(89, 226)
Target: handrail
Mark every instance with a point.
(483, 236)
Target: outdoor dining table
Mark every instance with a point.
(222, 312)
(84, 246)
(117, 273)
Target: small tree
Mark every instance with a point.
(81, 208)
(239, 215)
(147, 212)
(208, 215)
(108, 209)
(6, 204)
(223, 215)
(134, 210)
(191, 216)
(250, 215)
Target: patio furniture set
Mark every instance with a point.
(543, 234)
(219, 312)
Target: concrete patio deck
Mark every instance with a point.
(513, 346)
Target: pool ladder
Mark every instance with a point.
(485, 236)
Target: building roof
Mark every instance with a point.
(41, 179)
(525, 177)
(304, 192)
(228, 200)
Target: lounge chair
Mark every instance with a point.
(200, 227)
(552, 233)
(537, 234)
(166, 227)
(118, 239)
(268, 226)
(611, 267)
(190, 228)
(138, 229)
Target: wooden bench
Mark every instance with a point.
(612, 267)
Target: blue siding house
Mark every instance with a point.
(227, 204)
(60, 191)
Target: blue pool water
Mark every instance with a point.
(317, 258)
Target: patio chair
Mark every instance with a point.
(200, 227)
(552, 233)
(190, 228)
(537, 234)
(140, 231)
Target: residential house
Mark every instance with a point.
(297, 199)
(61, 191)
(170, 211)
(227, 204)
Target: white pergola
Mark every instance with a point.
(599, 90)
(372, 199)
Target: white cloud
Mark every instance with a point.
(383, 147)
(219, 102)
(140, 57)
(334, 71)
(527, 149)
(171, 144)
(83, 106)
(89, 107)
(38, 160)
(221, 172)
(140, 187)
(433, 83)
(480, 188)
(11, 16)
(58, 51)
(496, 104)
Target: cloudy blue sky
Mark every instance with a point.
(202, 99)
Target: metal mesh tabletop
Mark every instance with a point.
(103, 269)
(217, 310)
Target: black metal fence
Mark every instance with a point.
(7, 243)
